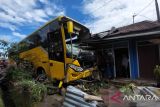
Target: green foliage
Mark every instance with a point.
(3, 43)
(17, 74)
(93, 87)
(13, 52)
(24, 90)
(36, 90)
(5, 47)
(127, 89)
(1, 101)
(157, 72)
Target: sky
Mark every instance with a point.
(19, 18)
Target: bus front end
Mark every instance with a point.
(75, 33)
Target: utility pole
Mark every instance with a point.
(157, 11)
(134, 15)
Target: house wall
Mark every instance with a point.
(148, 57)
(142, 58)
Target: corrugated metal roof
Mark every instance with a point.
(140, 26)
(133, 28)
(141, 30)
(75, 98)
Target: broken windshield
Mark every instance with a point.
(75, 39)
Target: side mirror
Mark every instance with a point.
(70, 26)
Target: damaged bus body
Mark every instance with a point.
(50, 49)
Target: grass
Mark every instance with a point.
(23, 79)
(18, 74)
(24, 90)
(36, 90)
(1, 101)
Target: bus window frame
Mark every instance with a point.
(62, 45)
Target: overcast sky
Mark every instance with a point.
(19, 18)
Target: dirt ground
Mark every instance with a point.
(51, 101)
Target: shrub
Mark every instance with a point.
(23, 79)
(157, 72)
(1, 101)
(16, 74)
(37, 90)
(24, 90)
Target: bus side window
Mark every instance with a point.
(55, 46)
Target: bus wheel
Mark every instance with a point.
(41, 76)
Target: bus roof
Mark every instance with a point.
(58, 18)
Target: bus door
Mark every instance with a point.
(56, 54)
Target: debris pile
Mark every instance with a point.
(93, 95)
(75, 97)
(92, 87)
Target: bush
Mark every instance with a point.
(1, 101)
(157, 72)
(36, 90)
(24, 90)
(17, 74)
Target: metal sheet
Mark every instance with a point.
(75, 98)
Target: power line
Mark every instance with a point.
(144, 8)
(119, 2)
(105, 3)
(136, 14)
(124, 21)
(145, 17)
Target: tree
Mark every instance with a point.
(5, 47)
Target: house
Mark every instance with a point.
(130, 51)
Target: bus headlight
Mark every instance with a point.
(76, 68)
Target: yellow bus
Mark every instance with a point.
(51, 49)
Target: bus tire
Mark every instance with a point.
(40, 75)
